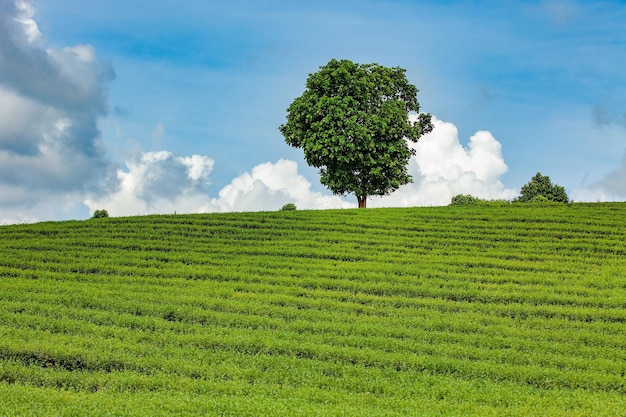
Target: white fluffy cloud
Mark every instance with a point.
(443, 168)
(161, 182)
(158, 182)
(268, 187)
(610, 188)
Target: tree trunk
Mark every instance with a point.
(362, 202)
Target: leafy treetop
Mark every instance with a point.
(352, 122)
(100, 214)
(541, 186)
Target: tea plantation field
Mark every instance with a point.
(487, 310)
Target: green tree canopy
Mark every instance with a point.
(541, 186)
(100, 214)
(352, 122)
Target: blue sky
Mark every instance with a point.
(165, 81)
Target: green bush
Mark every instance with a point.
(99, 214)
(289, 206)
(464, 200)
(540, 186)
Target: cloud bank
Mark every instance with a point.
(51, 151)
(268, 187)
(157, 182)
(161, 182)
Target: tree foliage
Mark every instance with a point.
(464, 200)
(352, 122)
(541, 189)
(100, 214)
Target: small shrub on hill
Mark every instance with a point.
(464, 200)
(100, 214)
(289, 206)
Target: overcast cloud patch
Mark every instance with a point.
(50, 102)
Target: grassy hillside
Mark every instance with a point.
(510, 310)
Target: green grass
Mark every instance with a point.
(487, 310)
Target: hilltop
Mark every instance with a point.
(515, 309)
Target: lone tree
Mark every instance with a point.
(541, 186)
(352, 122)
